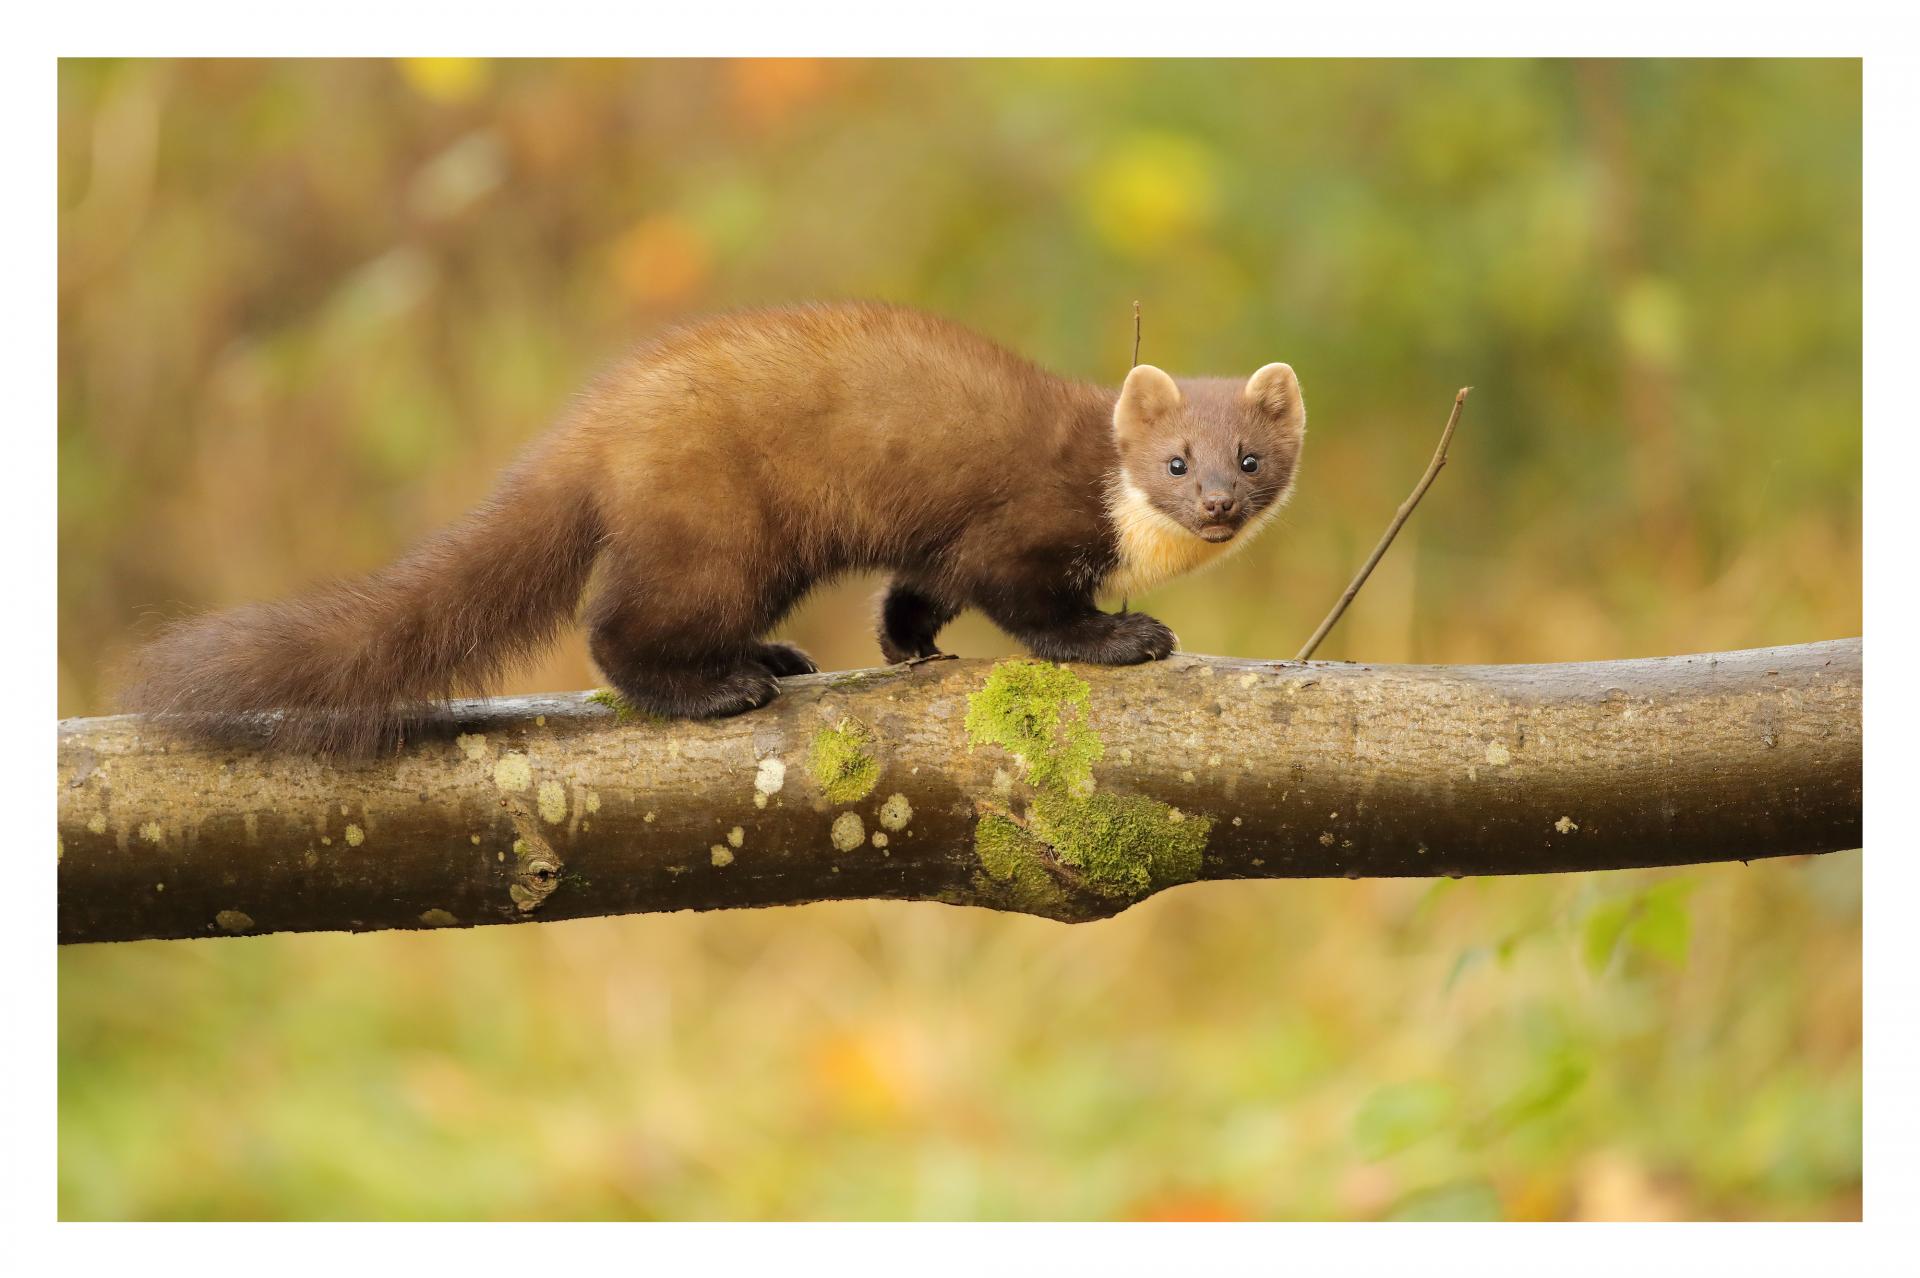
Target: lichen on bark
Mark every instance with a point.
(843, 763)
(1117, 845)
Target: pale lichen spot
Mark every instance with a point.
(1326, 838)
(520, 847)
(648, 818)
(1236, 820)
(234, 921)
(344, 809)
(553, 802)
(472, 744)
(879, 838)
(355, 836)
(514, 772)
(97, 823)
(593, 800)
(1248, 679)
(1498, 755)
(1175, 815)
(159, 887)
(1187, 775)
(721, 854)
(437, 918)
(1126, 754)
(1213, 761)
(1473, 773)
(1002, 782)
(326, 840)
(474, 839)
(539, 721)
(1566, 825)
(1259, 861)
(736, 836)
(848, 831)
(768, 780)
(151, 832)
(896, 812)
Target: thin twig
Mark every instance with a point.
(1393, 529)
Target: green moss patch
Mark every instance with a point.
(1016, 865)
(1116, 845)
(843, 763)
(1121, 844)
(1037, 712)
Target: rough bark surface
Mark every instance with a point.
(1069, 792)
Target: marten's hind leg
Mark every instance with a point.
(784, 659)
(910, 621)
(666, 659)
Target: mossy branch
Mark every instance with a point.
(1068, 792)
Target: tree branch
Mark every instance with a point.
(1069, 792)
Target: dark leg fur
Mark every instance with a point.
(683, 667)
(910, 621)
(784, 659)
(1077, 631)
(711, 689)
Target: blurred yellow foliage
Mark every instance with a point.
(1150, 188)
(449, 80)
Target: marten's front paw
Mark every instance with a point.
(1137, 638)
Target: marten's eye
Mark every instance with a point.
(1249, 463)
(1177, 466)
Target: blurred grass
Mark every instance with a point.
(307, 309)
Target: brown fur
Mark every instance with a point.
(720, 472)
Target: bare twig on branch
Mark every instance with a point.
(1393, 529)
(1136, 334)
(1070, 792)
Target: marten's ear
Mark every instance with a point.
(1147, 396)
(1275, 391)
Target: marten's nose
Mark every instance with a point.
(1218, 505)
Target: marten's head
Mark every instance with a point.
(1212, 455)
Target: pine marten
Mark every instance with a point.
(718, 473)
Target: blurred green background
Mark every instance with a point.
(308, 308)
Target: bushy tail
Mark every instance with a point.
(349, 667)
